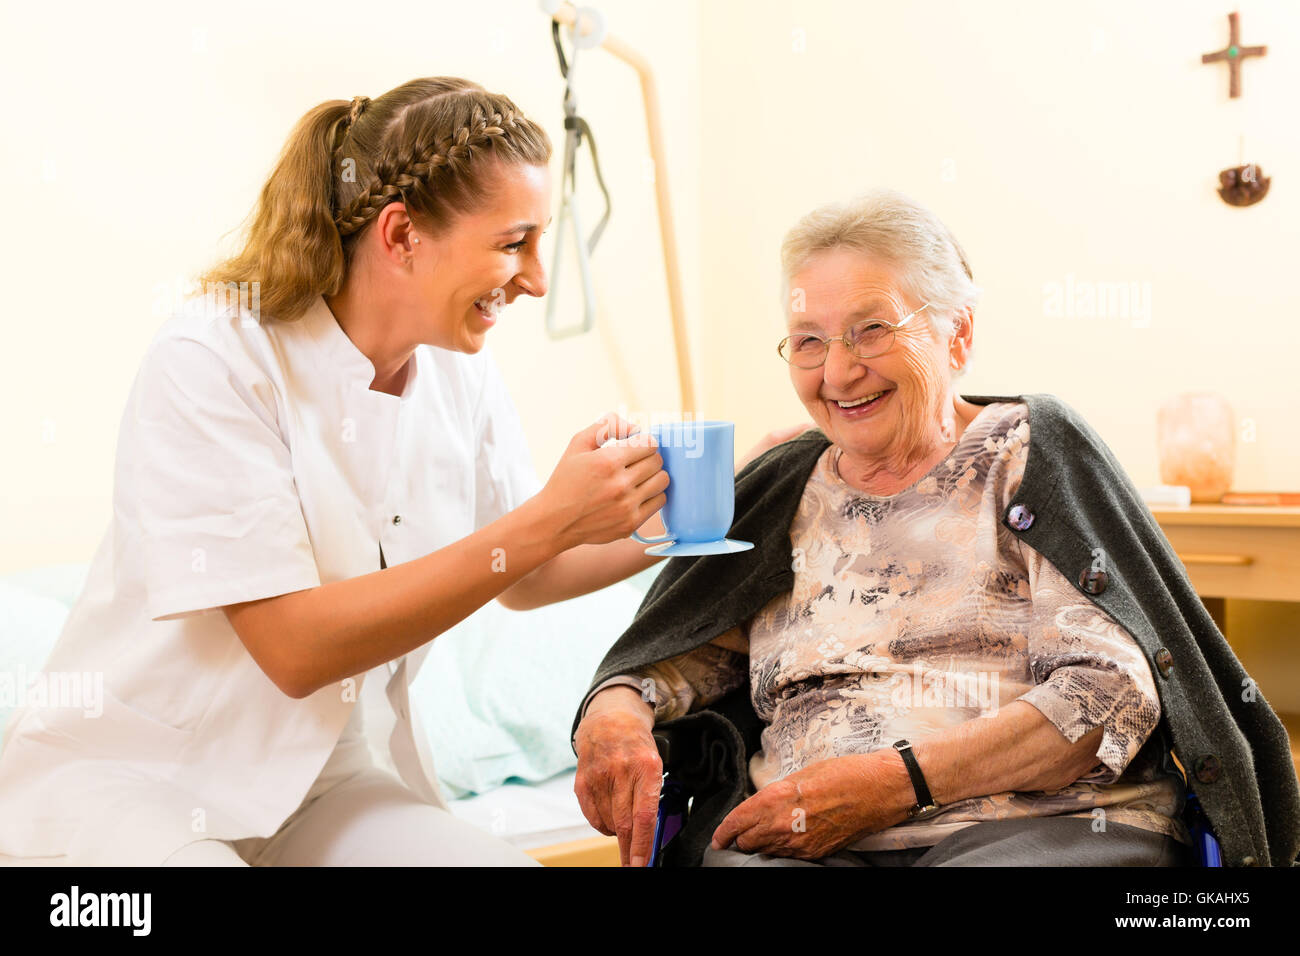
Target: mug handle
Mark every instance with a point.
(667, 537)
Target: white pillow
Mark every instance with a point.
(498, 692)
(29, 627)
(62, 582)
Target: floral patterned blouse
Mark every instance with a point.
(918, 611)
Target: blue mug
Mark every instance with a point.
(700, 460)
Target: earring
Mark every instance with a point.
(415, 239)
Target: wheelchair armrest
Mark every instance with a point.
(705, 759)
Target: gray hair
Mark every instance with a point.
(895, 228)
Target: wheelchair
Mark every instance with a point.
(676, 799)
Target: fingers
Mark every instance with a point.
(592, 789)
(621, 814)
(645, 815)
(646, 470)
(631, 444)
(648, 510)
(609, 427)
(594, 809)
(742, 818)
(636, 809)
(612, 427)
(630, 451)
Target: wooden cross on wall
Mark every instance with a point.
(1234, 54)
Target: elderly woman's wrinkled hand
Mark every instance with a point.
(815, 811)
(619, 771)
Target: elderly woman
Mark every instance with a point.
(917, 664)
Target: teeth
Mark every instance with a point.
(486, 305)
(860, 401)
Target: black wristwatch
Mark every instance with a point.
(925, 805)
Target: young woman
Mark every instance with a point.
(311, 484)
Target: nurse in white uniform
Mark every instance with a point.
(310, 486)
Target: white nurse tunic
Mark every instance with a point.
(253, 460)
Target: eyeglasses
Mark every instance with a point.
(866, 339)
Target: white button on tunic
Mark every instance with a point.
(253, 460)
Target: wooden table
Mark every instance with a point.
(1238, 551)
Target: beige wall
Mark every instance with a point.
(1057, 140)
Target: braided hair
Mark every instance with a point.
(433, 144)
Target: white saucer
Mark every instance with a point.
(688, 549)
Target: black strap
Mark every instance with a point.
(559, 50)
(382, 565)
(923, 798)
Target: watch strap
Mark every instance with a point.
(924, 801)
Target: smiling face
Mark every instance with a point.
(489, 257)
(843, 286)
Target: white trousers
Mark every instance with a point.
(370, 818)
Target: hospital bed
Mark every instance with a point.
(499, 737)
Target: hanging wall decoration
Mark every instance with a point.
(1233, 54)
(1242, 185)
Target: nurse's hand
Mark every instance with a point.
(619, 771)
(599, 494)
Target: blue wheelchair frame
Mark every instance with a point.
(674, 812)
(1206, 843)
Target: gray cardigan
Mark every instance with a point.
(1074, 497)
